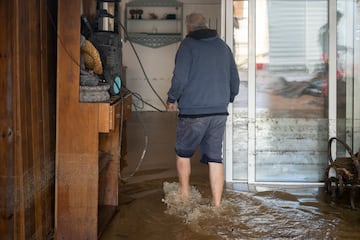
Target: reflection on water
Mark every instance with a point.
(153, 210)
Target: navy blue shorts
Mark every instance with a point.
(206, 132)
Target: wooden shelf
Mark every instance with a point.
(160, 24)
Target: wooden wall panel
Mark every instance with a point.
(27, 71)
(77, 175)
(48, 32)
(6, 140)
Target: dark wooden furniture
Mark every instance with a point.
(87, 142)
(112, 151)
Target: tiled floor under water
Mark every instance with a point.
(149, 207)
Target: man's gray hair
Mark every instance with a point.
(196, 21)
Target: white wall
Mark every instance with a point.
(158, 63)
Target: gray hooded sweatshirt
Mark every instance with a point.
(205, 77)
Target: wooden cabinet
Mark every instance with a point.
(87, 184)
(117, 107)
(87, 141)
(112, 151)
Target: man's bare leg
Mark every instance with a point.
(216, 175)
(184, 169)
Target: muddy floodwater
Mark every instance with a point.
(152, 210)
(150, 207)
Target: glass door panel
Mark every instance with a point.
(291, 84)
(346, 17)
(288, 138)
(356, 77)
(240, 106)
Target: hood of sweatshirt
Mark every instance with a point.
(202, 34)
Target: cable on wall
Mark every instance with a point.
(142, 67)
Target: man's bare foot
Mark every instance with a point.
(184, 195)
(216, 205)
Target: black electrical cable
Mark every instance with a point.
(146, 141)
(59, 38)
(142, 67)
(137, 95)
(124, 179)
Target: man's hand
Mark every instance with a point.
(170, 106)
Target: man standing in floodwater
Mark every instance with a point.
(205, 80)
